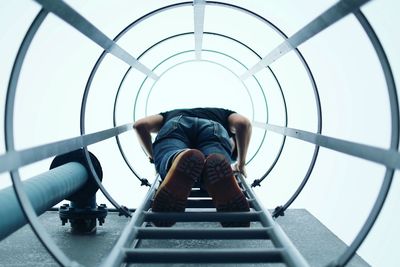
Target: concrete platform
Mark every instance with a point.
(317, 244)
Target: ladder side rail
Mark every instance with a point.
(292, 256)
(117, 254)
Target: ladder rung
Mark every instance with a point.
(198, 193)
(242, 255)
(196, 233)
(208, 203)
(203, 216)
(200, 203)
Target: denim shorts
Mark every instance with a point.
(183, 132)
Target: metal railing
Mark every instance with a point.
(12, 160)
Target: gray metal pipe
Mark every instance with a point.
(44, 191)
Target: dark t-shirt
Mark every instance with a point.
(219, 115)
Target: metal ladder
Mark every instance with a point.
(127, 249)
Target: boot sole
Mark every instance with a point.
(173, 192)
(223, 188)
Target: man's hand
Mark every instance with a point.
(143, 128)
(239, 168)
(241, 127)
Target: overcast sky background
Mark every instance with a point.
(341, 189)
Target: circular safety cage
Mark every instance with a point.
(315, 78)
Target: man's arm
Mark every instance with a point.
(241, 127)
(144, 127)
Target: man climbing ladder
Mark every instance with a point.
(197, 145)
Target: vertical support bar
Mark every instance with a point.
(199, 6)
(323, 21)
(70, 16)
(388, 157)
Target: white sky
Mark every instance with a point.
(353, 95)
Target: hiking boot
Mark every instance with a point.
(224, 189)
(173, 192)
